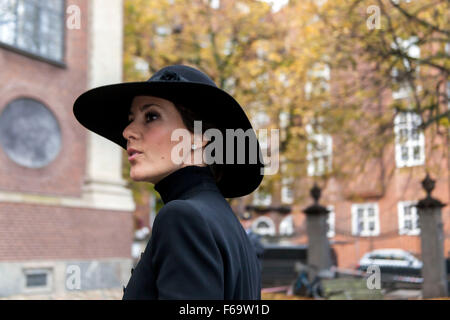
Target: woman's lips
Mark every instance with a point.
(134, 156)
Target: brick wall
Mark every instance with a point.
(49, 232)
(57, 88)
(32, 231)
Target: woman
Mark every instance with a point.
(198, 248)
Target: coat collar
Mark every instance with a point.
(185, 180)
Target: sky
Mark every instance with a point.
(277, 4)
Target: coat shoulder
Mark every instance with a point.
(178, 211)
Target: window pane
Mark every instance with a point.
(416, 151)
(404, 153)
(415, 134)
(403, 135)
(407, 210)
(36, 280)
(34, 26)
(8, 21)
(408, 225)
(262, 225)
(360, 213)
(53, 5)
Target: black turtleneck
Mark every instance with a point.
(185, 181)
(198, 250)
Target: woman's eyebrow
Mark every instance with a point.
(145, 106)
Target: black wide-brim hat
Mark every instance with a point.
(104, 110)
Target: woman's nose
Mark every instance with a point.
(129, 132)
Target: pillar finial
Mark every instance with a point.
(428, 184)
(315, 193)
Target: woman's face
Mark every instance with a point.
(151, 123)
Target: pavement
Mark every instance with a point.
(117, 293)
(104, 294)
(403, 294)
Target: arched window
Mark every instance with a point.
(29, 133)
(264, 226)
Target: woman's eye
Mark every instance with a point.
(150, 116)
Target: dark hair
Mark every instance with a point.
(189, 116)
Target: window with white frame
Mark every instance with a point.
(263, 226)
(215, 4)
(408, 218)
(287, 226)
(284, 119)
(412, 50)
(319, 151)
(330, 222)
(287, 193)
(318, 80)
(262, 198)
(34, 26)
(409, 140)
(284, 123)
(38, 279)
(365, 219)
(398, 1)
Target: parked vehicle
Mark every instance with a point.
(392, 262)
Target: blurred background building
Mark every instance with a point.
(65, 211)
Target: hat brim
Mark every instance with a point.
(104, 110)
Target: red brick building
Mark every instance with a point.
(65, 211)
(374, 208)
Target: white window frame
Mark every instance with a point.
(318, 74)
(411, 121)
(365, 232)
(412, 50)
(414, 218)
(284, 119)
(398, 1)
(286, 227)
(264, 232)
(259, 199)
(319, 154)
(38, 270)
(287, 192)
(331, 222)
(215, 4)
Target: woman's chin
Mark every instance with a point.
(135, 176)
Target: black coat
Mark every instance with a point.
(198, 248)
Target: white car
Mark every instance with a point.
(395, 261)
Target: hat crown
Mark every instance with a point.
(182, 73)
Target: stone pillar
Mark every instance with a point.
(432, 240)
(104, 186)
(319, 255)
